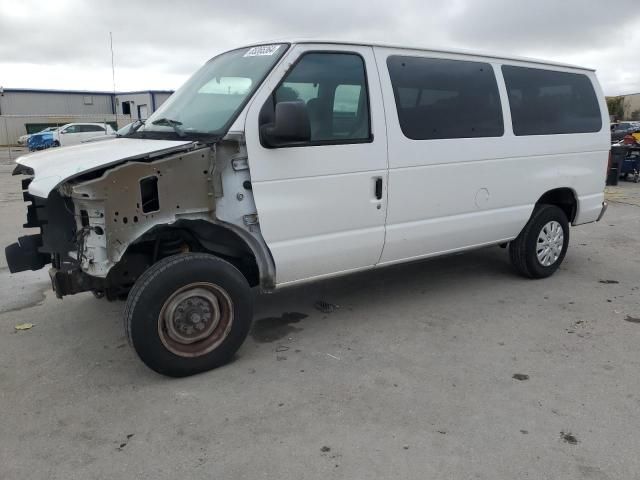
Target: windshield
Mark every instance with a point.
(214, 95)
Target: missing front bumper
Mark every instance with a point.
(73, 281)
(24, 254)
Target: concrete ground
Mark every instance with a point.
(453, 368)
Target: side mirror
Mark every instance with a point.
(291, 125)
(63, 131)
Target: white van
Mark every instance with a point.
(283, 163)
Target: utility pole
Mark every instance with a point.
(113, 70)
(6, 130)
(113, 77)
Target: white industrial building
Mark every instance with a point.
(28, 111)
(139, 105)
(631, 106)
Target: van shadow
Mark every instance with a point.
(288, 311)
(279, 314)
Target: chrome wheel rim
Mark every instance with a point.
(195, 319)
(550, 243)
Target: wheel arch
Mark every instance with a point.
(221, 239)
(564, 198)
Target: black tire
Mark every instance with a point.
(157, 291)
(56, 144)
(523, 250)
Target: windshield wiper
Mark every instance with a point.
(172, 123)
(133, 128)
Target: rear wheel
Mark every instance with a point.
(188, 313)
(542, 245)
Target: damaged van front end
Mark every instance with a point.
(177, 183)
(102, 227)
(163, 216)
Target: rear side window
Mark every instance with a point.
(544, 102)
(438, 98)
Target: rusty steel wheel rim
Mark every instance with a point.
(195, 319)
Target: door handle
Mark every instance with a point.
(379, 188)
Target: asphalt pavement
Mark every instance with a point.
(453, 368)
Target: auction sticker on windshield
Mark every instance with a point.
(262, 50)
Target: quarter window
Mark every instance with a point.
(546, 102)
(333, 87)
(440, 98)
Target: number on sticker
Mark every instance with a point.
(262, 50)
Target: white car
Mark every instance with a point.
(23, 139)
(120, 132)
(74, 133)
(287, 163)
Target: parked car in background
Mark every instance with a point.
(42, 140)
(620, 129)
(24, 138)
(74, 133)
(69, 134)
(119, 133)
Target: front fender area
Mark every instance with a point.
(200, 200)
(127, 201)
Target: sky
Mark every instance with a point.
(158, 44)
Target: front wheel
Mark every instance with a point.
(542, 245)
(188, 313)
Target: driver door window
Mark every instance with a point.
(333, 87)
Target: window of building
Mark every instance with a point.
(546, 102)
(439, 98)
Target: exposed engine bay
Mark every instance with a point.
(101, 229)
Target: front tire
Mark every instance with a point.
(542, 245)
(188, 313)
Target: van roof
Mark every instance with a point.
(426, 49)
